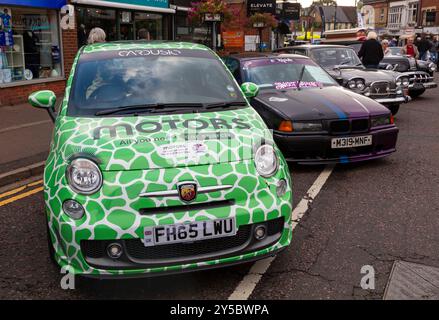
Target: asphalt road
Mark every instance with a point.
(366, 214)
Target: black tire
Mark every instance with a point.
(415, 93)
(394, 108)
(50, 248)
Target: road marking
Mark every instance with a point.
(25, 125)
(19, 189)
(252, 278)
(21, 196)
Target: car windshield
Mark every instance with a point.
(334, 57)
(150, 78)
(284, 73)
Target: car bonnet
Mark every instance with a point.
(318, 104)
(162, 141)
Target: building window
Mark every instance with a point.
(29, 44)
(412, 13)
(152, 22)
(429, 17)
(89, 18)
(395, 17)
(382, 15)
(120, 24)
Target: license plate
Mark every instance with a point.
(188, 232)
(349, 142)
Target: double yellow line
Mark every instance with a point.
(21, 195)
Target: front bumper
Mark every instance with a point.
(420, 86)
(316, 149)
(392, 101)
(133, 264)
(115, 215)
(420, 80)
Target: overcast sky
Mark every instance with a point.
(306, 3)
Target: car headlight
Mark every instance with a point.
(432, 67)
(84, 176)
(381, 120)
(405, 81)
(360, 84)
(352, 84)
(307, 126)
(266, 161)
(398, 82)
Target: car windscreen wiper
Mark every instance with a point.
(225, 104)
(302, 71)
(151, 108)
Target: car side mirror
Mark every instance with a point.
(44, 99)
(250, 89)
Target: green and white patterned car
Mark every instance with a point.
(159, 165)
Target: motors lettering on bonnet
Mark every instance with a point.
(153, 126)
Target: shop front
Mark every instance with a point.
(124, 19)
(30, 45)
(183, 30)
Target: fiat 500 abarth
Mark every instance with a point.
(314, 120)
(159, 165)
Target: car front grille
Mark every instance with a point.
(137, 250)
(419, 78)
(380, 89)
(349, 126)
(137, 254)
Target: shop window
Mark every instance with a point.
(89, 18)
(29, 44)
(150, 24)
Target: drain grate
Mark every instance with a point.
(412, 281)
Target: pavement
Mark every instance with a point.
(25, 135)
(372, 214)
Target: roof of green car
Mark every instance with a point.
(140, 44)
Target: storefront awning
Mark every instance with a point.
(51, 4)
(141, 5)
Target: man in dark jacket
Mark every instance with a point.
(424, 46)
(371, 52)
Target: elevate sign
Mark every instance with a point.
(261, 6)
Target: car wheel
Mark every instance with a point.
(416, 93)
(394, 108)
(50, 247)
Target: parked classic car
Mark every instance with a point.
(343, 64)
(419, 72)
(314, 120)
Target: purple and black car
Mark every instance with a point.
(314, 119)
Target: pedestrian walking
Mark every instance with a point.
(433, 50)
(410, 49)
(386, 49)
(371, 52)
(424, 46)
(96, 35)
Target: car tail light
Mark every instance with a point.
(286, 126)
(392, 120)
